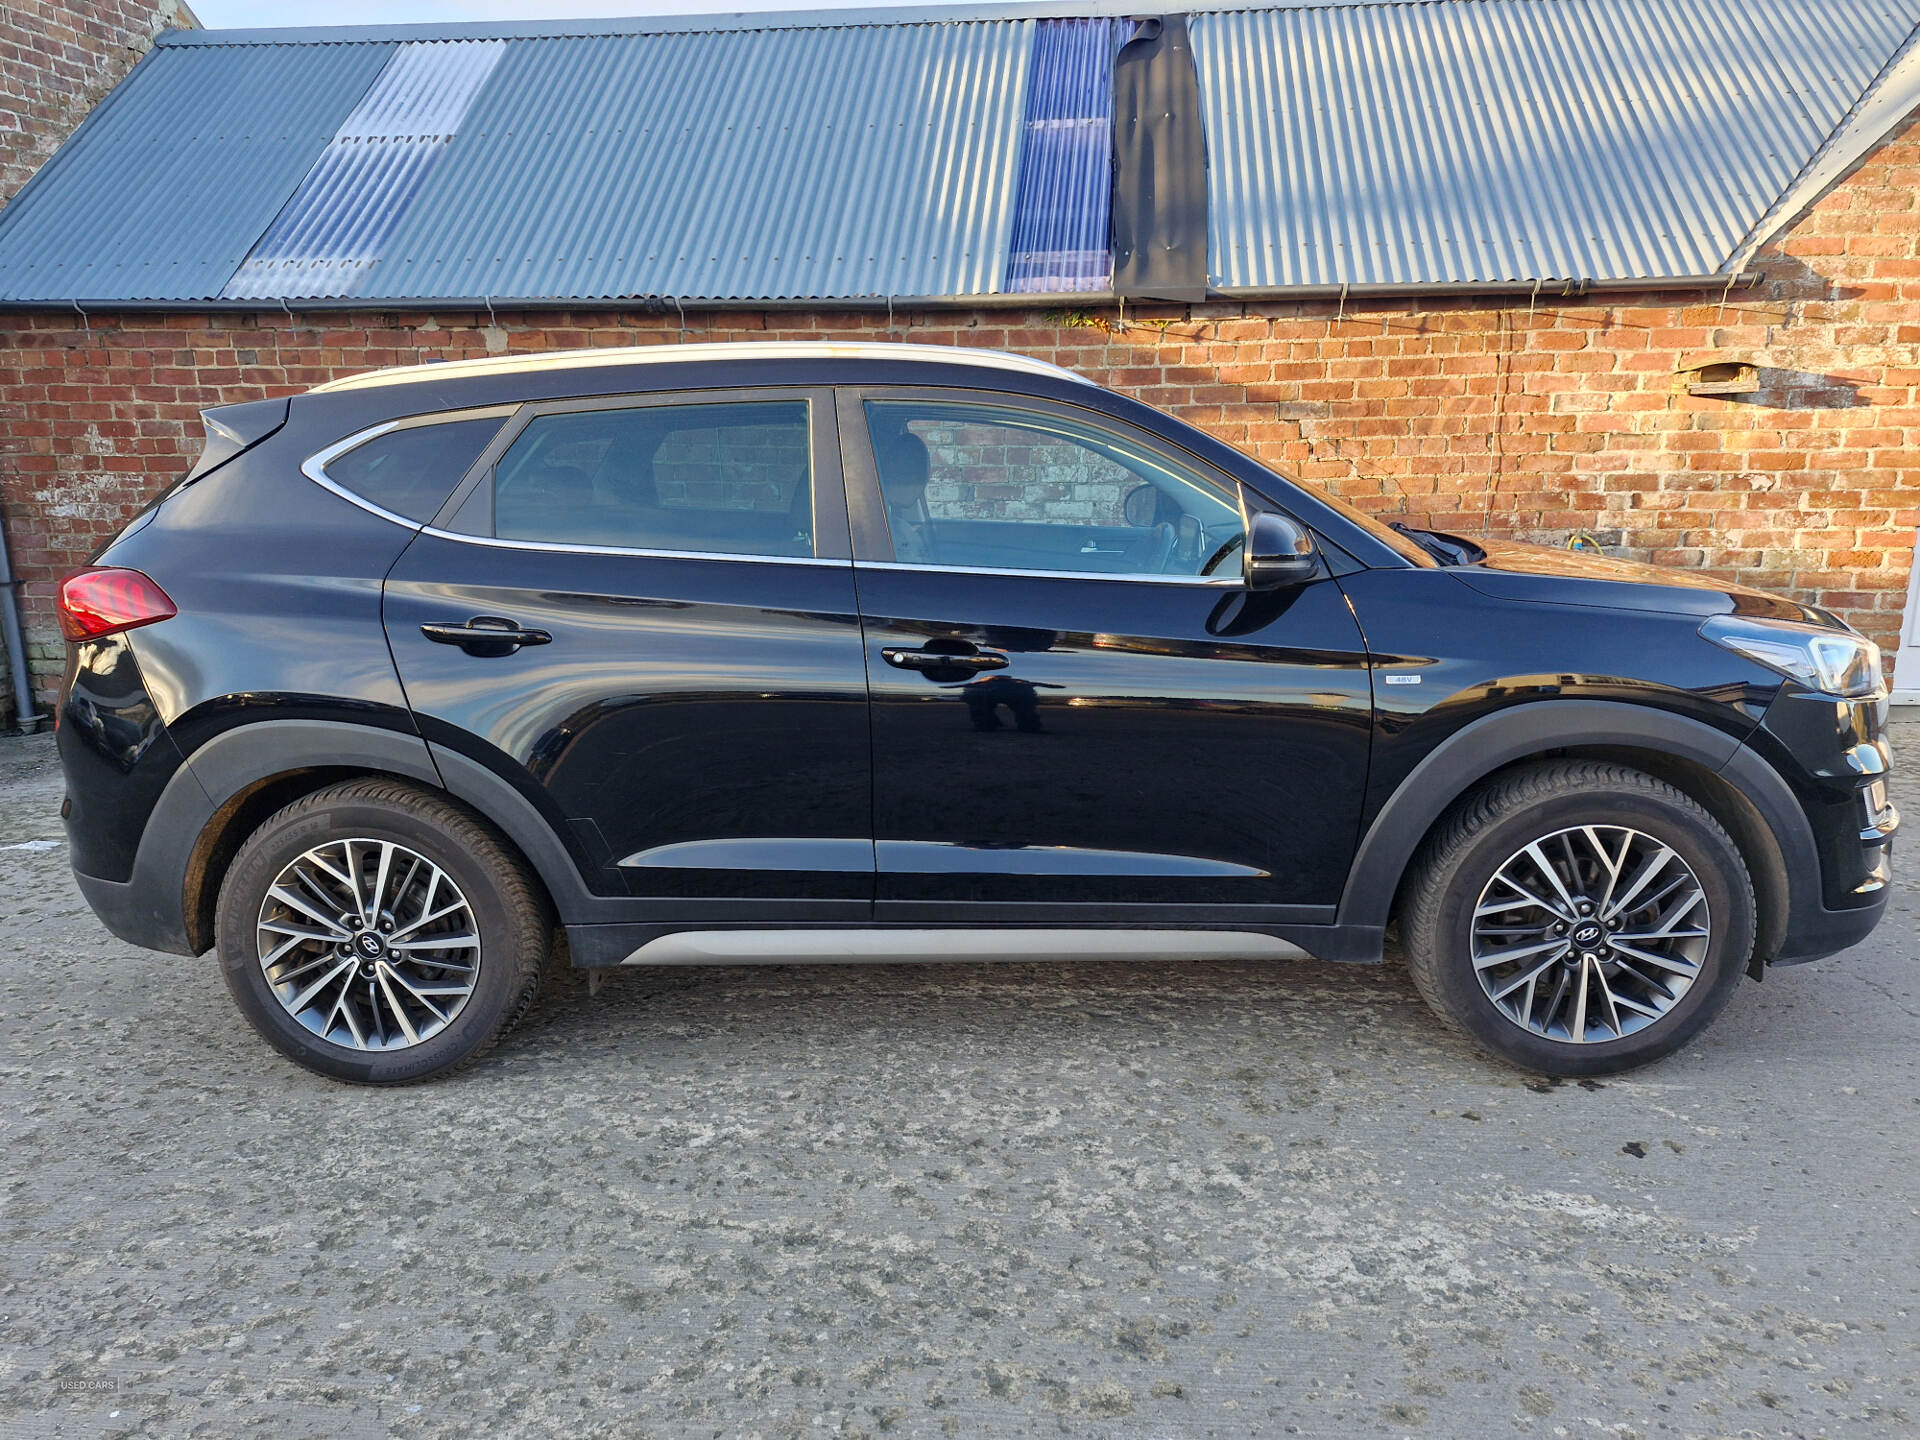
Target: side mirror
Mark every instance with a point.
(1279, 553)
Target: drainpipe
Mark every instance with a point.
(16, 643)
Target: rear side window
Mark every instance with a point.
(411, 471)
(730, 479)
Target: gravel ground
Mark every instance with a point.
(1205, 1199)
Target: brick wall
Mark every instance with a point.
(57, 59)
(1530, 419)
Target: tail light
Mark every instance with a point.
(106, 601)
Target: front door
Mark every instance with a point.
(1080, 714)
(641, 612)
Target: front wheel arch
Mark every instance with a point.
(1530, 820)
(1712, 766)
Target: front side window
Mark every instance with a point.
(412, 470)
(1000, 488)
(733, 479)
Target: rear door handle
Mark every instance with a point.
(935, 660)
(486, 635)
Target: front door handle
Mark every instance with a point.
(937, 660)
(486, 635)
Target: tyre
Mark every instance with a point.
(377, 933)
(1577, 918)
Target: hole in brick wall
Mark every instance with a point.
(1779, 389)
(1748, 377)
(1727, 377)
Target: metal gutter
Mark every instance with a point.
(883, 304)
(1544, 289)
(25, 716)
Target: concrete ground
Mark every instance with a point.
(1157, 1200)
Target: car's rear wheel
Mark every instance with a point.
(377, 933)
(1577, 917)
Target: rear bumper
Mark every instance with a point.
(141, 913)
(149, 907)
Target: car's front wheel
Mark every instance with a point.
(377, 933)
(1577, 917)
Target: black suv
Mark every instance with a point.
(718, 654)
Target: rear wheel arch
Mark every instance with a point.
(227, 829)
(251, 772)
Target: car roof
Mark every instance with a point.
(493, 365)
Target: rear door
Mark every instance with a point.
(1080, 713)
(640, 611)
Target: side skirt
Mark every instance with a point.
(599, 946)
(895, 947)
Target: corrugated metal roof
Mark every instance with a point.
(337, 223)
(1514, 140)
(956, 152)
(1874, 116)
(163, 190)
(766, 164)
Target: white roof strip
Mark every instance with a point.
(690, 354)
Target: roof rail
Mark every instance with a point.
(695, 354)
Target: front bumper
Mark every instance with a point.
(1821, 932)
(1824, 932)
(1834, 755)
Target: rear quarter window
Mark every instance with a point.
(411, 471)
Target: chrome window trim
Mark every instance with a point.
(1211, 582)
(314, 467)
(568, 548)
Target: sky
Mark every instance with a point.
(227, 14)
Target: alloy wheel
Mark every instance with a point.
(1590, 933)
(368, 944)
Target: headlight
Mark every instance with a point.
(1834, 662)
